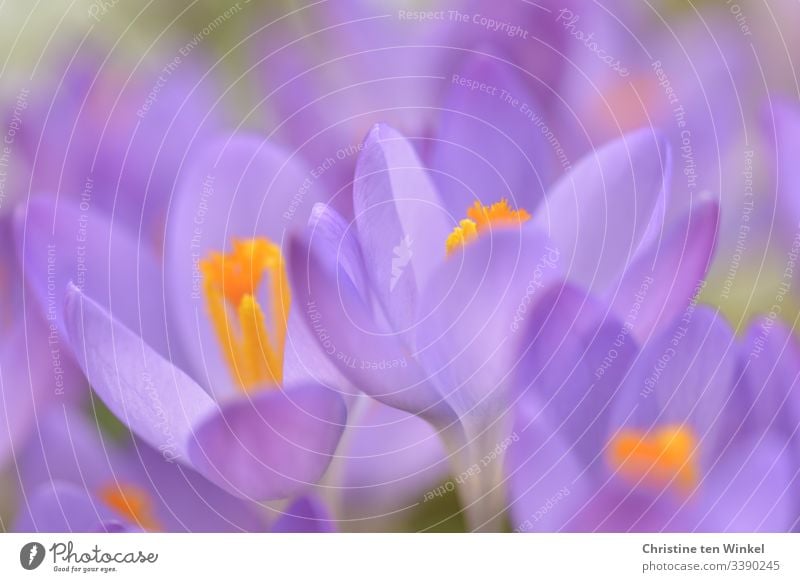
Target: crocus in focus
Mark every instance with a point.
(450, 308)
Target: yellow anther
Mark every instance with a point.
(231, 283)
(481, 218)
(663, 456)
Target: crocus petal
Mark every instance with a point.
(273, 445)
(488, 145)
(540, 44)
(358, 67)
(33, 373)
(366, 351)
(599, 212)
(36, 367)
(751, 488)
(185, 500)
(575, 357)
(402, 225)
(620, 508)
(467, 337)
(239, 188)
(30, 381)
(666, 275)
(305, 515)
(771, 364)
(330, 233)
(547, 483)
(61, 507)
(156, 400)
(294, 85)
(70, 447)
(305, 357)
(390, 460)
(62, 242)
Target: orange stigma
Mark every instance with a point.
(663, 456)
(231, 283)
(481, 218)
(131, 502)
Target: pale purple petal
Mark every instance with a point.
(547, 482)
(305, 356)
(575, 357)
(467, 337)
(487, 143)
(159, 402)
(667, 274)
(783, 128)
(402, 225)
(71, 448)
(331, 233)
(187, 501)
(31, 381)
(272, 445)
(67, 241)
(599, 212)
(391, 459)
(365, 350)
(771, 367)
(752, 487)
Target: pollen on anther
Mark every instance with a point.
(481, 218)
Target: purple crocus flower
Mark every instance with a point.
(266, 444)
(239, 431)
(437, 335)
(613, 437)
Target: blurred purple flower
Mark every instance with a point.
(116, 139)
(74, 478)
(675, 436)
